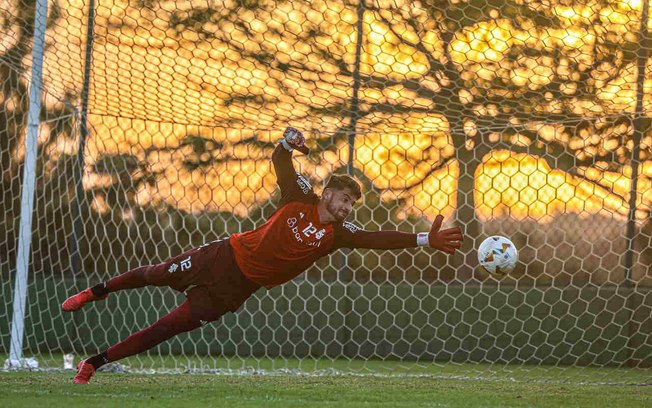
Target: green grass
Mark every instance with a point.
(44, 389)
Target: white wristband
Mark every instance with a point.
(422, 239)
(286, 145)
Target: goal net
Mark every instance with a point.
(523, 119)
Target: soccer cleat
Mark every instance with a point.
(79, 300)
(84, 373)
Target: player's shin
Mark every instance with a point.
(178, 321)
(100, 290)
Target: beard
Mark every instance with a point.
(336, 213)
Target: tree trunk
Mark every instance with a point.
(466, 217)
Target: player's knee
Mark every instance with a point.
(182, 319)
(182, 327)
(204, 317)
(166, 328)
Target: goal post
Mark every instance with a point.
(27, 198)
(504, 120)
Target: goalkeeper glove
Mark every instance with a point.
(293, 139)
(447, 240)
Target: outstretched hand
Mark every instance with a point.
(447, 240)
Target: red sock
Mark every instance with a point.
(177, 321)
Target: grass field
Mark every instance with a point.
(394, 384)
(157, 363)
(54, 389)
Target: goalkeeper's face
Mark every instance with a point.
(339, 203)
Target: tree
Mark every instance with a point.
(549, 80)
(57, 125)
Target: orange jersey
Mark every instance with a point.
(293, 238)
(287, 244)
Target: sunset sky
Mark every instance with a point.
(154, 84)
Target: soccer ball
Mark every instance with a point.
(497, 255)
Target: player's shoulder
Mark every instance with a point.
(345, 234)
(299, 205)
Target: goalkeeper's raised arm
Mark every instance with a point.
(219, 276)
(292, 184)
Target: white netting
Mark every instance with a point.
(513, 119)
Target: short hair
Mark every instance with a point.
(342, 181)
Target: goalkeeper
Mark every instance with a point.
(219, 276)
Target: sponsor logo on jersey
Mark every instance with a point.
(304, 184)
(307, 232)
(351, 227)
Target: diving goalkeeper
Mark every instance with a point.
(219, 276)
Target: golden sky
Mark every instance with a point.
(153, 85)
